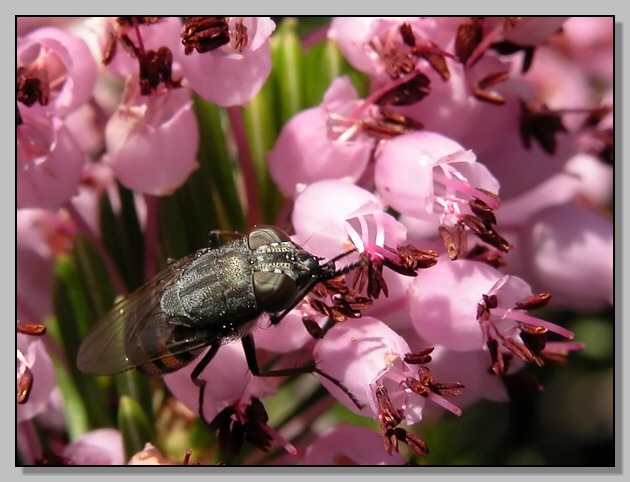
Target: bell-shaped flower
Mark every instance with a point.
(35, 376)
(152, 141)
(570, 253)
(49, 162)
(227, 73)
(349, 445)
(429, 176)
(227, 378)
(56, 71)
(99, 447)
(449, 306)
(310, 149)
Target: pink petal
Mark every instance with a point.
(571, 253)
(443, 303)
(152, 148)
(349, 445)
(49, 163)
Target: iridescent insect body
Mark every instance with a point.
(203, 300)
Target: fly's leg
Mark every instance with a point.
(194, 376)
(252, 363)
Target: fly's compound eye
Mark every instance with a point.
(265, 235)
(274, 292)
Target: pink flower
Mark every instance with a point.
(33, 358)
(590, 41)
(373, 44)
(596, 180)
(152, 142)
(308, 150)
(229, 382)
(41, 235)
(62, 66)
(49, 162)
(149, 455)
(365, 355)
(471, 369)
(320, 213)
(287, 336)
(527, 30)
(232, 73)
(349, 445)
(429, 176)
(98, 447)
(445, 302)
(165, 32)
(570, 249)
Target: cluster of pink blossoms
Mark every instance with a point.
(473, 179)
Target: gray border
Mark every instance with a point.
(320, 7)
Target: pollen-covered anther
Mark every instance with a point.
(156, 67)
(344, 302)
(480, 90)
(408, 92)
(120, 34)
(498, 362)
(385, 124)
(370, 274)
(33, 329)
(236, 424)
(205, 34)
(350, 305)
(487, 303)
(490, 301)
(24, 385)
(455, 240)
(32, 86)
(229, 430)
(320, 306)
(406, 33)
(426, 384)
(418, 358)
(240, 36)
(389, 417)
(409, 259)
(426, 49)
(486, 255)
(523, 351)
(469, 36)
(482, 211)
(542, 124)
(533, 302)
(414, 442)
(132, 21)
(485, 232)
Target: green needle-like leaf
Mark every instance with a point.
(133, 425)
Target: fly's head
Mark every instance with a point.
(284, 272)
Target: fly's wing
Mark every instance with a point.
(127, 336)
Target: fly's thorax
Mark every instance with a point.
(216, 287)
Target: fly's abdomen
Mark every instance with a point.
(163, 348)
(169, 362)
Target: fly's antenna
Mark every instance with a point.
(347, 268)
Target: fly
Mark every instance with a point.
(205, 299)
